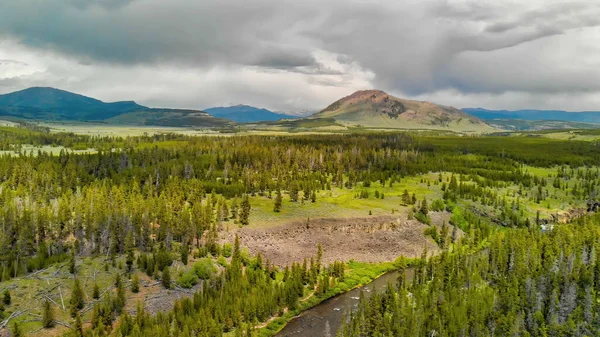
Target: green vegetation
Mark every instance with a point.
(527, 283)
(84, 234)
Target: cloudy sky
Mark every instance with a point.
(291, 55)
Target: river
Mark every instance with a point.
(313, 322)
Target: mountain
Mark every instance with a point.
(55, 104)
(52, 104)
(376, 109)
(536, 115)
(246, 114)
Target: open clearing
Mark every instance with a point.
(373, 239)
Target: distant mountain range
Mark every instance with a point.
(246, 114)
(50, 104)
(377, 109)
(536, 115)
(365, 108)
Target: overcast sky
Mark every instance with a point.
(292, 55)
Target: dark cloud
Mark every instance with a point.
(202, 33)
(413, 48)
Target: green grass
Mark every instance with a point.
(343, 203)
(26, 291)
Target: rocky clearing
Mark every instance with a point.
(370, 239)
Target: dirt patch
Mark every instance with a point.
(372, 239)
(155, 297)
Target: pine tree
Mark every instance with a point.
(76, 301)
(78, 327)
(424, 209)
(47, 315)
(245, 214)
(16, 330)
(444, 235)
(319, 257)
(6, 298)
(406, 198)
(184, 253)
(119, 302)
(135, 283)
(130, 252)
(166, 278)
(278, 202)
(294, 192)
(72, 261)
(95, 291)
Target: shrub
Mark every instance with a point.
(204, 269)
(201, 270)
(227, 250)
(438, 205)
(187, 279)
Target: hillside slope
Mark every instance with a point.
(56, 104)
(170, 117)
(377, 109)
(50, 104)
(246, 114)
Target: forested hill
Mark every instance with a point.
(50, 104)
(246, 114)
(55, 104)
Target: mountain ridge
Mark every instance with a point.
(536, 115)
(51, 104)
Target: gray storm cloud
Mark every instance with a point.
(293, 54)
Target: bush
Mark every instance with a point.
(432, 231)
(227, 250)
(187, 279)
(423, 218)
(201, 270)
(222, 261)
(438, 205)
(204, 269)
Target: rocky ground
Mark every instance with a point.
(370, 239)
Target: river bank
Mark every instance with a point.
(358, 275)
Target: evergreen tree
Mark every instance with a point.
(6, 298)
(129, 247)
(245, 213)
(135, 283)
(424, 209)
(95, 291)
(47, 315)
(294, 192)
(166, 278)
(76, 301)
(16, 330)
(406, 200)
(184, 254)
(278, 202)
(78, 326)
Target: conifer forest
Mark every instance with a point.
(180, 235)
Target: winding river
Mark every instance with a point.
(313, 322)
